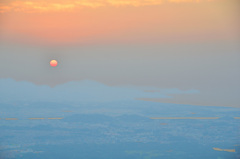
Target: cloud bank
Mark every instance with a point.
(46, 6)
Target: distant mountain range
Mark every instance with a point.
(75, 91)
(86, 90)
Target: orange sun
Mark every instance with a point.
(53, 63)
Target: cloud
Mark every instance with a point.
(51, 5)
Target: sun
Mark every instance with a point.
(53, 63)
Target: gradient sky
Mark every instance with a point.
(161, 44)
(113, 21)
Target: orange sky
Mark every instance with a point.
(114, 21)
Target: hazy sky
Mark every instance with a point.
(182, 44)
